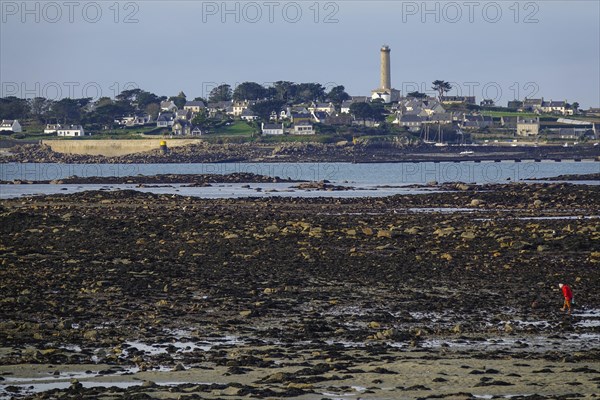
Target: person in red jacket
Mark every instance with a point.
(568, 294)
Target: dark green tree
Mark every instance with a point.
(441, 87)
(284, 90)
(179, 100)
(338, 94)
(221, 93)
(13, 108)
(39, 108)
(66, 111)
(249, 91)
(361, 111)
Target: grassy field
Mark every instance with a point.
(238, 128)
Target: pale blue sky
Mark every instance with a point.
(185, 45)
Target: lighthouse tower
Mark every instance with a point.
(386, 77)
(385, 91)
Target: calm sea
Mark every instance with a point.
(379, 174)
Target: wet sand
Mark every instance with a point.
(302, 298)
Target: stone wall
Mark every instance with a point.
(112, 148)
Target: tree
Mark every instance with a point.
(284, 90)
(146, 98)
(264, 108)
(338, 94)
(305, 92)
(13, 108)
(249, 91)
(39, 108)
(152, 110)
(201, 120)
(179, 100)
(377, 110)
(575, 106)
(361, 111)
(441, 87)
(220, 93)
(67, 109)
(416, 95)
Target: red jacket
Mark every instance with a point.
(567, 292)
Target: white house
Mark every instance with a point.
(303, 128)
(272, 129)
(52, 128)
(10, 125)
(70, 130)
(248, 115)
(168, 105)
(165, 120)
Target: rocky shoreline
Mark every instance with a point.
(189, 179)
(450, 294)
(307, 152)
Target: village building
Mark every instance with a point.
(194, 106)
(528, 126)
(272, 129)
(70, 130)
(12, 125)
(303, 128)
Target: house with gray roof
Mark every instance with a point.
(272, 129)
(165, 120)
(194, 106)
(11, 125)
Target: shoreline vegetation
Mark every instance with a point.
(111, 294)
(375, 152)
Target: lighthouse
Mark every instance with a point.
(386, 78)
(385, 91)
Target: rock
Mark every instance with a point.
(469, 235)
(537, 203)
(446, 256)
(272, 229)
(246, 313)
(367, 231)
(476, 202)
(91, 335)
(384, 233)
(231, 236)
(457, 328)
(374, 325)
(415, 230)
(179, 367)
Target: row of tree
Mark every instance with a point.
(288, 92)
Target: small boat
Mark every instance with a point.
(466, 153)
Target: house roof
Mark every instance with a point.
(165, 117)
(410, 118)
(195, 104)
(300, 115)
(71, 128)
(8, 121)
(248, 113)
(272, 126)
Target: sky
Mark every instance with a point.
(500, 50)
